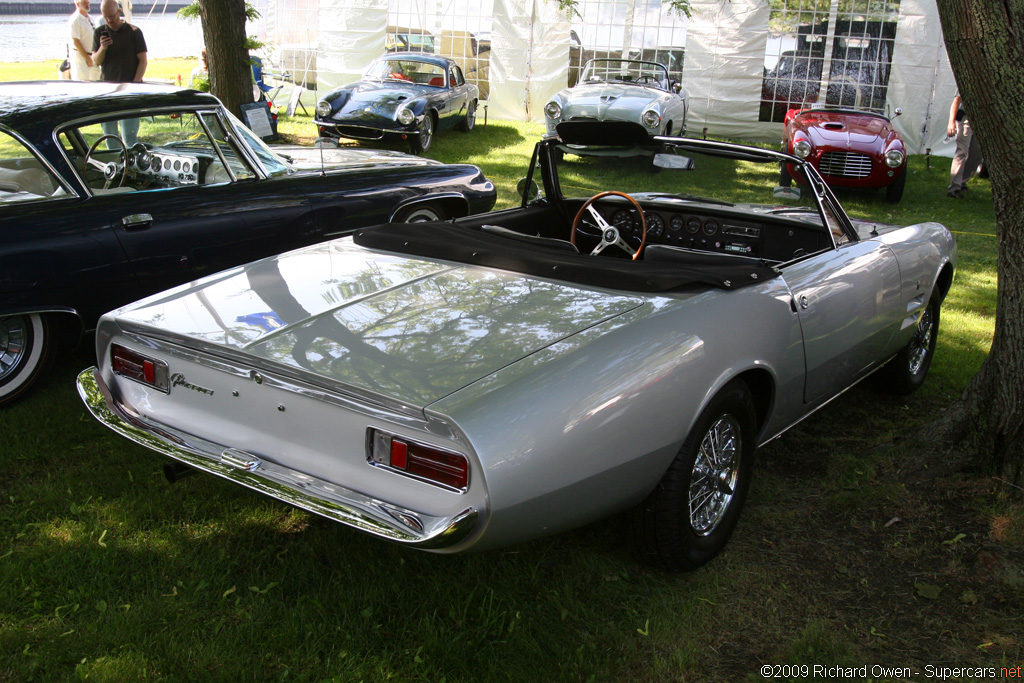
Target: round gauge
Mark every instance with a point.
(177, 164)
(143, 161)
(655, 226)
(676, 223)
(156, 163)
(692, 224)
(710, 226)
(623, 220)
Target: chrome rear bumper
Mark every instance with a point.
(323, 498)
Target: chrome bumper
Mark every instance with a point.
(323, 498)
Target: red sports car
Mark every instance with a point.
(849, 147)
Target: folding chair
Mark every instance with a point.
(270, 91)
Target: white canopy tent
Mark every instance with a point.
(725, 43)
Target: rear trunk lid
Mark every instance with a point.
(406, 330)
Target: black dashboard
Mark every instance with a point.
(767, 237)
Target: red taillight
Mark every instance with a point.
(450, 469)
(399, 454)
(420, 460)
(135, 366)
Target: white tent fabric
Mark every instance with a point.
(725, 44)
(351, 35)
(921, 82)
(724, 63)
(529, 57)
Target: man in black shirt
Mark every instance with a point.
(118, 47)
(120, 50)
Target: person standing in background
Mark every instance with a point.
(967, 156)
(120, 50)
(118, 47)
(80, 33)
(200, 78)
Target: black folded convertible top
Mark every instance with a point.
(471, 245)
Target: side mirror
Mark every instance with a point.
(528, 190)
(899, 111)
(676, 87)
(781, 192)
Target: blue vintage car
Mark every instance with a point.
(109, 192)
(405, 95)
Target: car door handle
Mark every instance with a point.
(137, 221)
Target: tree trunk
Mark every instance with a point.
(230, 71)
(985, 42)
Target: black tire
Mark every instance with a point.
(28, 344)
(421, 213)
(666, 532)
(469, 122)
(894, 192)
(907, 370)
(421, 142)
(785, 179)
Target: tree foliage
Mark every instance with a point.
(227, 48)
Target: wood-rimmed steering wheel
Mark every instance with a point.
(609, 233)
(109, 169)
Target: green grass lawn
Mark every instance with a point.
(848, 553)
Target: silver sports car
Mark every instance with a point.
(470, 384)
(622, 90)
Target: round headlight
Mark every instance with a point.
(323, 109)
(405, 117)
(893, 158)
(651, 118)
(801, 148)
(553, 110)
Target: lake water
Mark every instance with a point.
(35, 38)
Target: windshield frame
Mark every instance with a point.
(833, 218)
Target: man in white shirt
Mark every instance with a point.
(81, 30)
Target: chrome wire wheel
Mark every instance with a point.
(906, 371)
(921, 343)
(421, 142)
(689, 516)
(470, 120)
(15, 338)
(715, 473)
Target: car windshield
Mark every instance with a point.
(273, 163)
(681, 179)
(679, 173)
(158, 151)
(406, 71)
(625, 71)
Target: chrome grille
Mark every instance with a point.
(845, 164)
(360, 132)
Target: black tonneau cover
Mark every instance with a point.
(468, 244)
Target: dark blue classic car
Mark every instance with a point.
(109, 192)
(409, 95)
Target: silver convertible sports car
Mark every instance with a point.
(622, 90)
(463, 385)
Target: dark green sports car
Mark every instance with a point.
(405, 95)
